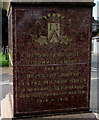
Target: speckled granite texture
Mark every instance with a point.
(51, 47)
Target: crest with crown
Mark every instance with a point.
(54, 21)
(54, 17)
(54, 27)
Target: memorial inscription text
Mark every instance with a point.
(51, 62)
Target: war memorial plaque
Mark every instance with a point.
(51, 57)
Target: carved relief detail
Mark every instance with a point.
(54, 31)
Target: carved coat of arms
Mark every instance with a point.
(54, 31)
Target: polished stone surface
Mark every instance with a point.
(51, 58)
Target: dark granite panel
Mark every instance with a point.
(52, 48)
(51, 88)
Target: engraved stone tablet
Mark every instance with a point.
(51, 57)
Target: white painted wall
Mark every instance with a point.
(98, 10)
(95, 45)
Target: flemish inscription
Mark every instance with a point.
(45, 94)
(60, 54)
(37, 56)
(33, 75)
(47, 82)
(51, 58)
(58, 88)
(64, 61)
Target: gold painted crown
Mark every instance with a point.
(54, 17)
